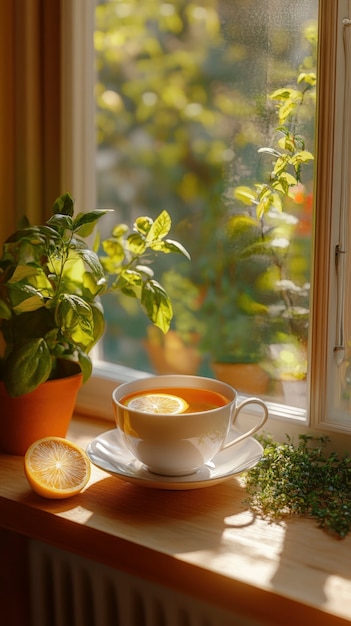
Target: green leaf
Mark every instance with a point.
(21, 272)
(288, 108)
(145, 269)
(82, 333)
(157, 305)
(129, 282)
(169, 246)
(109, 265)
(280, 165)
(69, 311)
(85, 365)
(24, 297)
(276, 202)
(302, 157)
(307, 77)
(270, 151)
(287, 143)
(51, 338)
(143, 225)
(136, 244)
(85, 223)
(93, 262)
(245, 195)
(129, 291)
(160, 227)
(63, 204)
(119, 230)
(92, 287)
(285, 93)
(98, 322)
(29, 304)
(113, 249)
(76, 319)
(28, 366)
(268, 201)
(289, 179)
(49, 233)
(60, 222)
(96, 243)
(31, 234)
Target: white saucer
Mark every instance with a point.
(108, 452)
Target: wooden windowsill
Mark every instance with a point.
(202, 542)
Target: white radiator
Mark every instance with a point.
(67, 590)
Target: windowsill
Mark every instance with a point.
(94, 401)
(202, 542)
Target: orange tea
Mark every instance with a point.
(175, 400)
(173, 424)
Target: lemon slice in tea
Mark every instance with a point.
(157, 403)
(56, 468)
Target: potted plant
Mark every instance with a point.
(178, 350)
(235, 310)
(257, 300)
(51, 281)
(281, 206)
(252, 284)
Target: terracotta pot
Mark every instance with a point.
(169, 354)
(246, 377)
(44, 412)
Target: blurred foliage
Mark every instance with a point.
(183, 109)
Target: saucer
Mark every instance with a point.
(108, 452)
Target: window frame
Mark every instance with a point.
(328, 199)
(78, 156)
(77, 79)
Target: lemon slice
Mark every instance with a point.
(56, 468)
(158, 403)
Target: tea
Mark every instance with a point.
(180, 400)
(174, 424)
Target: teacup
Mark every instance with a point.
(176, 444)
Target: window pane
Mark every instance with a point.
(189, 97)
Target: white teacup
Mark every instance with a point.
(178, 444)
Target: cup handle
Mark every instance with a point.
(255, 428)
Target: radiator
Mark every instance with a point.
(67, 590)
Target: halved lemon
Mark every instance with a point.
(157, 403)
(56, 468)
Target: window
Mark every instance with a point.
(328, 405)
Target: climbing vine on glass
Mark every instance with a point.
(289, 155)
(302, 480)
